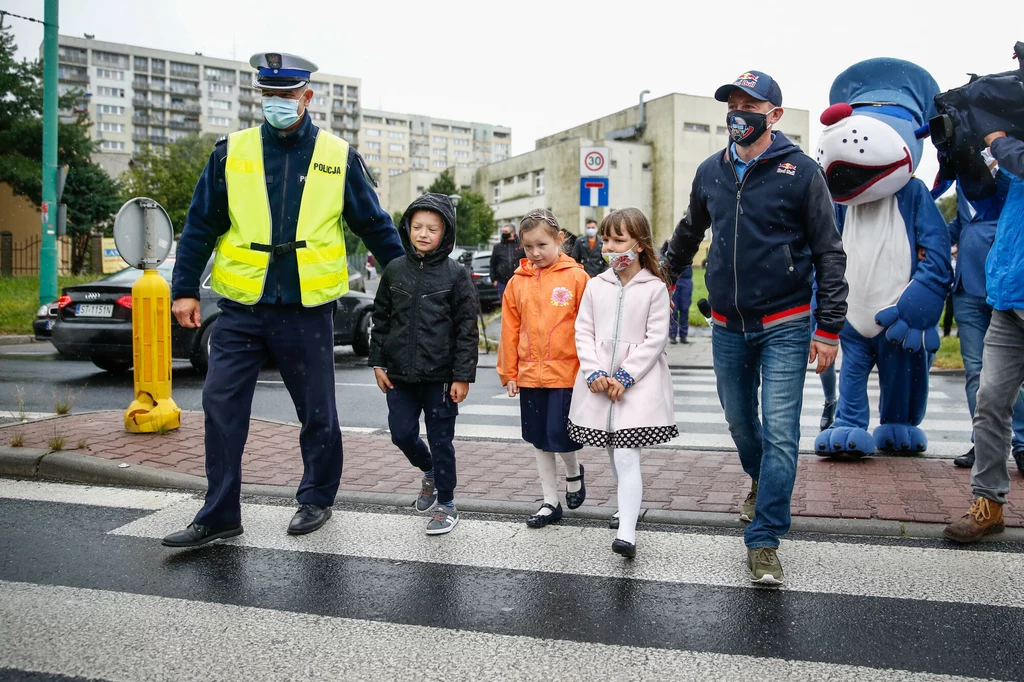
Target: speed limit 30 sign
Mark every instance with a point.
(593, 161)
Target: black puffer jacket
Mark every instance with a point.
(424, 315)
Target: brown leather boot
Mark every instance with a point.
(984, 518)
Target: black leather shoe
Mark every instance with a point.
(828, 415)
(626, 549)
(1018, 457)
(613, 522)
(541, 520)
(197, 534)
(308, 518)
(573, 500)
(673, 341)
(966, 460)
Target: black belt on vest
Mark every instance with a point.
(279, 249)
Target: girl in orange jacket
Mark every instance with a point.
(537, 355)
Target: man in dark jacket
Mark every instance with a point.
(587, 251)
(505, 258)
(423, 348)
(775, 232)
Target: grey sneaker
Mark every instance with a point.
(747, 508)
(428, 496)
(443, 520)
(763, 564)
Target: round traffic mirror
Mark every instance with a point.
(143, 233)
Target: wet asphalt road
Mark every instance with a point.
(63, 558)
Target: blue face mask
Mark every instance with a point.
(280, 112)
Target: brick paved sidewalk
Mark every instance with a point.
(902, 489)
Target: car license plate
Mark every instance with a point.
(94, 310)
(49, 324)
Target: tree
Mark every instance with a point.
(474, 219)
(90, 194)
(169, 176)
(947, 206)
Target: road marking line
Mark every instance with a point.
(95, 496)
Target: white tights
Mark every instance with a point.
(549, 476)
(625, 464)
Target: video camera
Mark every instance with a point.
(967, 114)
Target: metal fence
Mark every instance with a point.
(22, 258)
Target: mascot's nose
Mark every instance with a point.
(835, 113)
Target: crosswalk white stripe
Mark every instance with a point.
(91, 495)
(992, 578)
(119, 636)
(809, 390)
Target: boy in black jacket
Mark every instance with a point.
(423, 349)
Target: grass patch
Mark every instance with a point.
(17, 440)
(19, 394)
(949, 356)
(19, 300)
(83, 443)
(700, 290)
(57, 441)
(63, 402)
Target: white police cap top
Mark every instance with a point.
(280, 71)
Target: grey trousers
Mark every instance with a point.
(1002, 373)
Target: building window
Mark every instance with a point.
(497, 192)
(373, 157)
(112, 145)
(110, 74)
(500, 148)
(396, 147)
(793, 138)
(111, 127)
(110, 109)
(439, 163)
(373, 145)
(319, 101)
(104, 91)
(318, 87)
(375, 120)
(394, 171)
(398, 160)
(721, 130)
(439, 152)
(500, 157)
(396, 135)
(439, 141)
(221, 104)
(339, 90)
(437, 127)
(220, 87)
(141, 64)
(460, 131)
(110, 59)
(397, 122)
(461, 155)
(222, 121)
(159, 66)
(222, 75)
(353, 92)
(696, 128)
(538, 182)
(372, 132)
(461, 142)
(318, 115)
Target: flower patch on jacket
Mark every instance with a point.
(561, 296)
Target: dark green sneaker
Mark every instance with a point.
(747, 508)
(763, 564)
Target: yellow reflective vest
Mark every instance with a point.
(244, 251)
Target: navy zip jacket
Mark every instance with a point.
(286, 157)
(774, 235)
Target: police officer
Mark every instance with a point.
(271, 201)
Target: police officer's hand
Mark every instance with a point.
(460, 389)
(615, 390)
(383, 382)
(824, 353)
(186, 311)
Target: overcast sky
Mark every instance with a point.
(543, 66)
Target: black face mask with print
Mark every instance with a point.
(746, 127)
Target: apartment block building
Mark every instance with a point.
(393, 143)
(137, 95)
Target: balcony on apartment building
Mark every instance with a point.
(143, 120)
(246, 115)
(231, 78)
(184, 91)
(187, 108)
(191, 73)
(74, 76)
(345, 122)
(81, 59)
(140, 84)
(248, 97)
(152, 139)
(183, 125)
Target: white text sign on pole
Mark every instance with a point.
(593, 161)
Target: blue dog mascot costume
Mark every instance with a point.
(869, 151)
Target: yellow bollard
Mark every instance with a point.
(153, 410)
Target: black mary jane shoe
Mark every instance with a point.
(541, 520)
(308, 518)
(613, 522)
(197, 534)
(626, 549)
(574, 500)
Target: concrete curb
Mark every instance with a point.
(79, 468)
(16, 339)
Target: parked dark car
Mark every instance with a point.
(94, 321)
(42, 326)
(485, 289)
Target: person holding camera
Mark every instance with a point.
(1002, 371)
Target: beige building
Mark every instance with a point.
(393, 144)
(137, 95)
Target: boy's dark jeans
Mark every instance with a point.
(405, 402)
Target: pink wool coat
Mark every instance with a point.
(624, 328)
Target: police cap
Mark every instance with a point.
(280, 71)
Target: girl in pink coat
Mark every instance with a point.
(623, 400)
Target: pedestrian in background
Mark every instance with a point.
(682, 296)
(429, 298)
(505, 258)
(623, 398)
(587, 251)
(537, 356)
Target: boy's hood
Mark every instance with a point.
(565, 261)
(442, 205)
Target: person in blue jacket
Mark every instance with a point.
(1002, 370)
(973, 230)
(271, 200)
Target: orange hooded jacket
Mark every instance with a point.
(538, 330)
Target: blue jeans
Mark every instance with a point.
(776, 361)
(973, 315)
